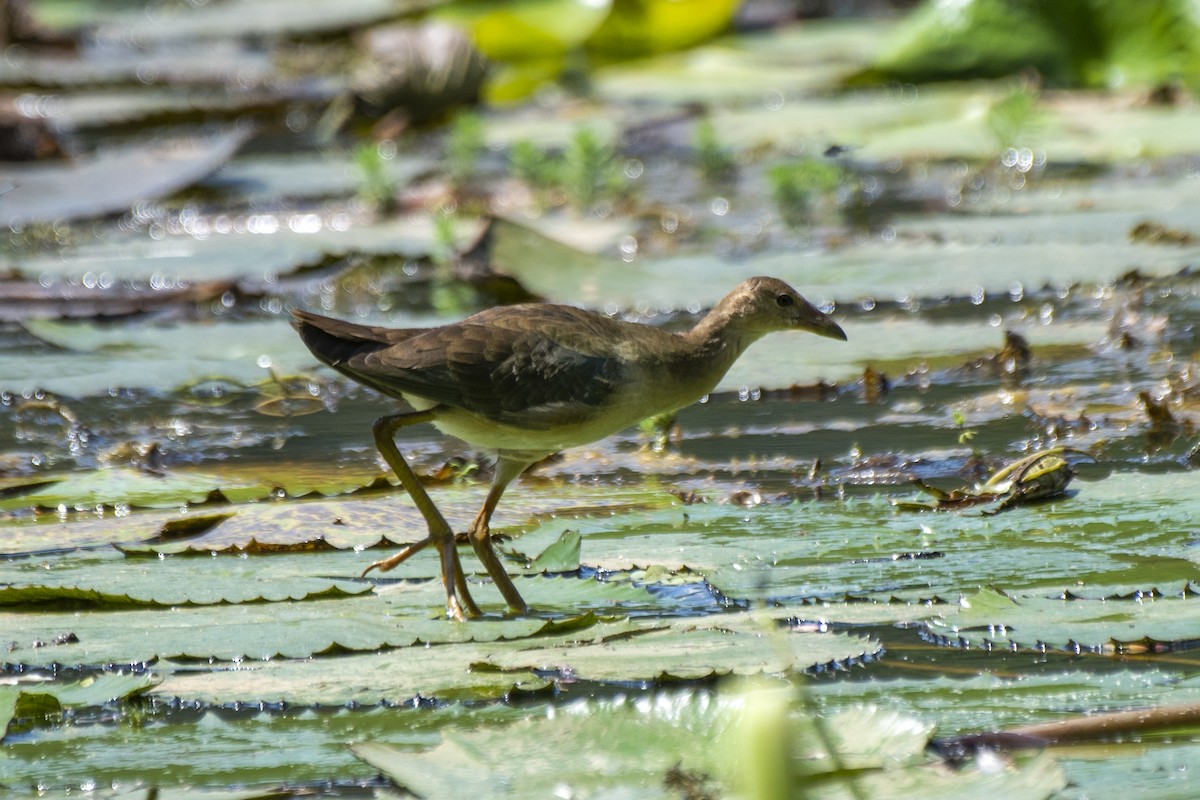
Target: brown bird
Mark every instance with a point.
(526, 381)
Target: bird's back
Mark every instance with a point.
(531, 366)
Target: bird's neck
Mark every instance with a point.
(719, 337)
(712, 346)
(683, 367)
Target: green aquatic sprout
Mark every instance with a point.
(464, 146)
(538, 168)
(376, 185)
(658, 430)
(965, 435)
(797, 185)
(1013, 118)
(712, 159)
(445, 237)
(590, 171)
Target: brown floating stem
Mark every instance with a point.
(1099, 726)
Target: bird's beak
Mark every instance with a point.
(812, 319)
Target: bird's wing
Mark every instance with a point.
(526, 366)
(522, 377)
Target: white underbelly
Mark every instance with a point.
(491, 436)
(621, 410)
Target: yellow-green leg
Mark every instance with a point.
(459, 603)
(481, 537)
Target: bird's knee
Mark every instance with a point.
(479, 534)
(383, 427)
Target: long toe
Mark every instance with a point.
(459, 603)
(388, 564)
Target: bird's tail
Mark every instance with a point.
(334, 341)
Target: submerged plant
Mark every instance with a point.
(445, 237)
(965, 435)
(376, 185)
(464, 145)
(539, 169)
(797, 185)
(589, 170)
(1013, 121)
(712, 159)
(658, 430)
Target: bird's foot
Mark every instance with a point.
(460, 606)
(387, 564)
(456, 612)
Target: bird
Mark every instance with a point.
(526, 381)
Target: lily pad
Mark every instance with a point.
(111, 182)
(994, 619)
(251, 18)
(1121, 42)
(252, 246)
(66, 580)
(690, 649)
(524, 30)
(398, 616)
(995, 700)
(632, 752)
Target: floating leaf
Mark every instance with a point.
(627, 751)
(253, 18)
(523, 30)
(562, 556)
(995, 619)
(35, 597)
(639, 27)
(111, 182)
(690, 649)
(17, 702)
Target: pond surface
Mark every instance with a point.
(187, 500)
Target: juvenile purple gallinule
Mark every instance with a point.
(526, 381)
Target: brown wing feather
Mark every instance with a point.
(523, 365)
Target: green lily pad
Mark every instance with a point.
(111, 182)
(97, 358)
(49, 698)
(526, 29)
(627, 751)
(637, 27)
(1120, 43)
(690, 649)
(255, 248)
(789, 59)
(996, 700)
(243, 18)
(995, 619)
(172, 582)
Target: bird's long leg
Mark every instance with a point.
(459, 602)
(481, 538)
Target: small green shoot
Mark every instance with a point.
(658, 430)
(796, 186)
(445, 237)
(589, 170)
(376, 185)
(1013, 118)
(539, 169)
(965, 435)
(464, 145)
(714, 161)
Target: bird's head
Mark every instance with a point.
(764, 305)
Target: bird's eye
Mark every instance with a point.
(784, 300)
